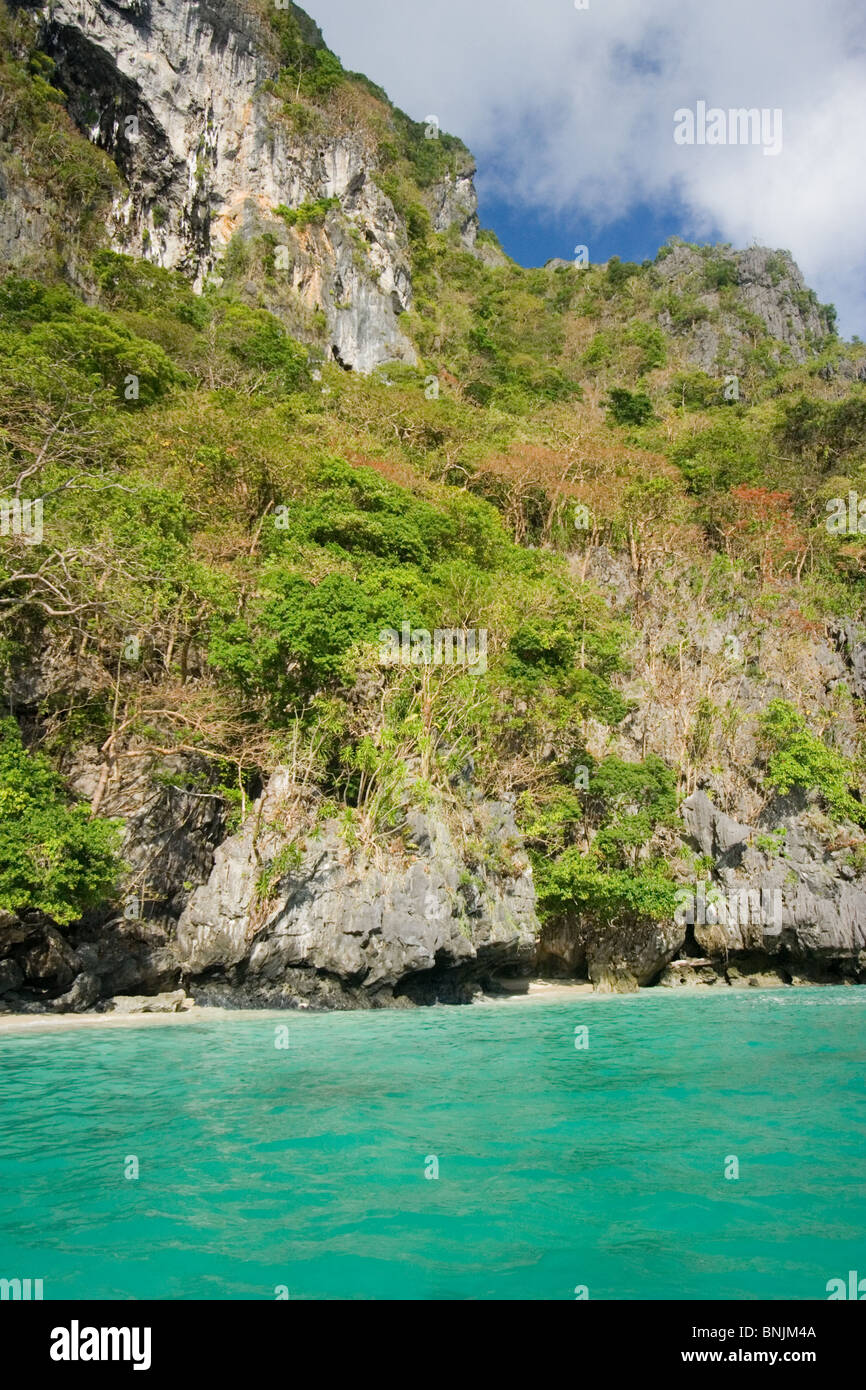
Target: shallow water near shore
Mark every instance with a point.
(303, 1167)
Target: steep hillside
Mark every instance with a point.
(381, 619)
(257, 134)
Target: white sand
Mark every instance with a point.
(52, 1023)
(551, 991)
(555, 989)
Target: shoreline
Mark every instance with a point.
(538, 991)
(53, 1023)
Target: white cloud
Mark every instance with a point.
(573, 109)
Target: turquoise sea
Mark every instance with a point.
(303, 1168)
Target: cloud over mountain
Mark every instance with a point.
(574, 109)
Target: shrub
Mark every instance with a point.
(798, 758)
(720, 271)
(629, 407)
(628, 801)
(307, 213)
(619, 271)
(651, 340)
(53, 857)
(725, 455)
(577, 883)
(259, 341)
(541, 649)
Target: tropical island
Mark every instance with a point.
(288, 442)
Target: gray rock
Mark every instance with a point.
(691, 973)
(768, 284)
(454, 203)
(794, 904)
(174, 1003)
(169, 834)
(48, 960)
(851, 642)
(11, 976)
(758, 979)
(714, 831)
(617, 957)
(374, 930)
(337, 931)
(626, 956)
(85, 991)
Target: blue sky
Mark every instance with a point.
(536, 238)
(570, 114)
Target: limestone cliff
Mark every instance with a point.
(181, 97)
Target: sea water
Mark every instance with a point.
(702, 1145)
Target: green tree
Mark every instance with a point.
(629, 407)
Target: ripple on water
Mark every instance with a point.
(306, 1166)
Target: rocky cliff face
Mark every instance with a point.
(281, 914)
(177, 94)
(337, 928)
(765, 284)
(777, 893)
(754, 914)
(814, 909)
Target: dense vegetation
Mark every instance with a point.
(53, 857)
(230, 523)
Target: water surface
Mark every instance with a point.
(303, 1168)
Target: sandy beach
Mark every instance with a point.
(537, 991)
(548, 990)
(54, 1023)
(552, 989)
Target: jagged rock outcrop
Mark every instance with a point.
(172, 1002)
(850, 642)
(737, 656)
(780, 905)
(454, 203)
(764, 283)
(174, 92)
(27, 221)
(46, 968)
(171, 832)
(618, 958)
(331, 929)
(342, 929)
(805, 905)
(170, 835)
